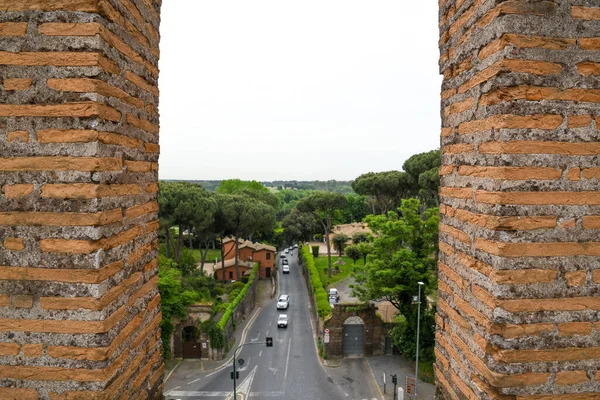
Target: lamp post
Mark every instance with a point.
(418, 326)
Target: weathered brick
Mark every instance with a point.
(60, 275)
(88, 109)
(506, 223)
(89, 246)
(510, 173)
(17, 84)
(22, 301)
(9, 349)
(18, 136)
(546, 122)
(559, 304)
(88, 190)
(77, 136)
(59, 59)
(540, 147)
(571, 377)
(556, 249)
(58, 163)
(536, 93)
(18, 190)
(60, 219)
(18, 393)
(576, 278)
(575, 328)
(33, 350)
(586, 13)
(15, 244)
(13, 28)
(538, 198)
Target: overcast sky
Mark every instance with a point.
(296, 90)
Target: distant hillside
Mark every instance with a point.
(331, 186)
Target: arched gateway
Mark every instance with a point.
(519, 271)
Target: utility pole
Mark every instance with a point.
(418, 325)
(268, 342)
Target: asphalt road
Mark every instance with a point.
(288, 370)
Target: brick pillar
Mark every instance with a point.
(79, 304)
(519, 271)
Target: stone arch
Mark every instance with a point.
(354, 320)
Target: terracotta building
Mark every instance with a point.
(264, 254)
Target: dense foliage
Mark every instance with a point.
(323, 306)
(240, 296)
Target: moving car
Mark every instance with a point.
(334, 292)
(296, 245)
(282, 321)
(282, 255)
(287, 251)
(283, 302)
(285, 269)
(284, 261)
(332, 300)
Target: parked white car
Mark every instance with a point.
(283, 302)
(333, 292)
(282, 321)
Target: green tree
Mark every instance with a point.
(403, 254)
(298, 226)
(359, 237)
(174, 299)
(386, 188)
(244, 216)
(339, 242)
(422, 173)
(356, 208)
(325, 206)
(365, 249)
(353, 252)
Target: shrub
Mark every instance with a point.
(239, 296)
(315, 251)
(323, 307)
(237, 285)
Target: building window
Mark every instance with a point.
(268, 256)
(230, 274)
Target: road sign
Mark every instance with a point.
(204, 345)
(327, 331)
(326, 338)
(410, 385)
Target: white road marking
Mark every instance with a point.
(287, 362)
(266, 394)
(194, 393)
(243, 339)
(195, 380)
(267, 334)
(260, 354)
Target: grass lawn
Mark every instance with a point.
(345, 270)
(210, 257)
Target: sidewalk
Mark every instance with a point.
(263, 294)
(395, 364)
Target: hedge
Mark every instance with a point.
(231, 307)
(323, 306)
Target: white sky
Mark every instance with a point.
(304, 90)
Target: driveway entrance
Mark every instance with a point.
(353, 342)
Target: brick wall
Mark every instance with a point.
(519, 269)
(79, 304)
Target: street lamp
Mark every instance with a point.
(418, 325)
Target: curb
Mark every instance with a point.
(374, 380)
(171, 372)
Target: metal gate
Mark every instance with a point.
(192, 349)
(353, 342)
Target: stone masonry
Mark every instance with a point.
(79, 303)
(519, 272)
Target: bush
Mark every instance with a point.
(244, 279)
(237, 285)
(315, 251)
(239, 296)
(323, 307)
